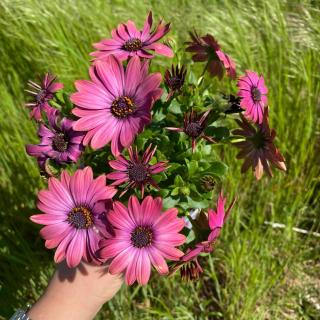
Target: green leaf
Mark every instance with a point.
(175, 107)
(169, 203)
(218, 133)
(175, 191)
(192, 167)
(178, 181)
(217, 168)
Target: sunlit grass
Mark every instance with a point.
(247, 277)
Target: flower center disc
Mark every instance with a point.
(259, 140)
(41, 96)
(256, 94)
(141, 237)
(122, 107)
(175, 83)
(59, 142)
(193, 129)
(138, 172)
(134, 44)
(80, 218)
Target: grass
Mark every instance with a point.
(257, 272)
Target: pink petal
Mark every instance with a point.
(76, 249)
(62, 248)
(47, 219)
(49, 199)
(53, 230)
(147, 27)
(112, 247)
(135, 211)
(61, 193)
(143, 267)
(118, 165)
(170, 239)
(160, 48)
(132, 29)
(131, 273)
(150, 209)
(158, 261)
(132, 77)
(170, 253)
(121, 261)
(192, 253)
(120, 219)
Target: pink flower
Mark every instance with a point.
(207, 49)
(127, 41)
(190, 270)
(58, 141)
(42, 94)
(116, 105)
(143, 236)
(136, 172)
(258, 148)
(253, 92)
(73, 214)
(194, 127)
(216, 220)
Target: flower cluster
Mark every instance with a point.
(128, 167)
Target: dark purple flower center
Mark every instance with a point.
(41, 96)
(122, 107)
(141, 237)
(138, 172)
(256, 94)
(60, 142)
(133, 44)
(259, 140)
(175, 83)
(193, 129)
(80, 218)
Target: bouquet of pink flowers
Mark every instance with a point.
(132, 169)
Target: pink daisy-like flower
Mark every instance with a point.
(136, 172)
(215, 221)
(73, 214)
(258, 148)
(190, 270)
(253, 91)
(194, 127)
(207, 49)
(127, 41)
(42, 94)
(116, 105)
(58, 141)
(143, 236)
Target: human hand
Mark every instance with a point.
(77, 293)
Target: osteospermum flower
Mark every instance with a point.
(136, 172)
(207, 49)
(174, 80)
(190, 270)
(72, 209)
(253, 91)
(58, 141)
(127, 41)
(258, 148)
(42, 93)
(215, 221)
(143, 236)
(194, 127)
(115, 105)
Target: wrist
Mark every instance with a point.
(76, 293)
